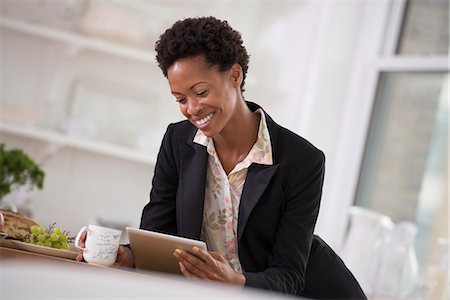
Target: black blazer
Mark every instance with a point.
(278, 208)
(327, 277)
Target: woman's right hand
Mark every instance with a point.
(124, 258)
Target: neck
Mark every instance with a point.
(245, 123)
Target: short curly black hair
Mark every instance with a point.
(209, 37)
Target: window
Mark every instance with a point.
(404, 173)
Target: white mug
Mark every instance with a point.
(101, 244)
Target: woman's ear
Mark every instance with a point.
(236, 75)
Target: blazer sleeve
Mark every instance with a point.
(160, 213)
(286, 269)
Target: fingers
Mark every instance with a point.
(121, 250)
(192, 264)
(125, 257)
(186, 272)
(79, 257)
(120, 255)
(218, 256)
(205, 256)
(207, 265)
(82, 245)
(83, 239)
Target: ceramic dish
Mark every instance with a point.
(38, 249)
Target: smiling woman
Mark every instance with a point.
(231, 176)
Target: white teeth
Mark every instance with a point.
(204, 120)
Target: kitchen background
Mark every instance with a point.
(365, 81)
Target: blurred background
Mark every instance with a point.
(365, 81)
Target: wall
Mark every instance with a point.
(302, 61)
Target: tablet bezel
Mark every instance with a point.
(154, 250)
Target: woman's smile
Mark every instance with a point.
(203, 122)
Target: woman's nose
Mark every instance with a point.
(193, 107)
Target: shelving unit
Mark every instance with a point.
(61, 139)
(78, 40)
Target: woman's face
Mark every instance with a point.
(207, 97)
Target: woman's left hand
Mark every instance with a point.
(207, 265)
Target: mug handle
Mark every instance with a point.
(77, 239)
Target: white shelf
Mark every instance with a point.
(83, 42)
(78, 143)
(77, 40)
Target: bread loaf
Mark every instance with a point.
(16, 226)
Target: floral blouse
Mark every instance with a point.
(223, 193)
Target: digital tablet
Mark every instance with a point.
(154, 251)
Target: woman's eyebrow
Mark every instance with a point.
(197, 84)
(173, 92)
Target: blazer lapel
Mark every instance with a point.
(256, 182)
(258, 176)
(191, 192)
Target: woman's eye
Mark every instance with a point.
(202, 93)
(181, 100)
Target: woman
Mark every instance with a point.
(259, 235)
(230, 175)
